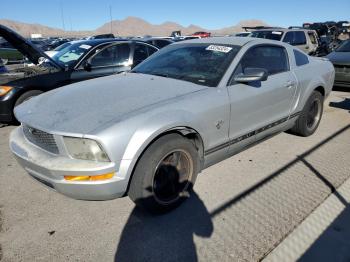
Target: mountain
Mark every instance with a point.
(131, 26)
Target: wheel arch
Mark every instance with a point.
(183, 130)
(321, 89)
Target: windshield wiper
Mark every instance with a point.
(150, 73)
(159, 74)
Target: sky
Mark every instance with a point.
(91, 14)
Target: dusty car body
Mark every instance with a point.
(175, 122)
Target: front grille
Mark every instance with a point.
(41, 139)
(342, 68)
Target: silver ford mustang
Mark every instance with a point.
(149, 132)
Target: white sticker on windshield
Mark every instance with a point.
(84, 46)
(219, 48)
(277, 33)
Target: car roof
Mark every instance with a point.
(239, 41)
(150, 39)
(94, 42)
(233, 40)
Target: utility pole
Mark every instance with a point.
(110, 14)
(62, 17)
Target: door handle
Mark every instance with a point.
(290, 84)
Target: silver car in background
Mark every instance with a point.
(149, 132)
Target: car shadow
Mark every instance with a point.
(333, 243)
(341, 89)
(170, 237)
(167, 237)
(345, 104)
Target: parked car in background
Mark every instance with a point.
(148, 133)
(341, 61)
(241, 34)
(56, 43)
(77, 62)
(40, 43)
(303, 39)
(102, 36)
(185, 37)
(202, 34)
(8, 54)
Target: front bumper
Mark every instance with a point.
(50, 169)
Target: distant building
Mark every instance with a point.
(36, 36)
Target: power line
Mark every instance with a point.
(62, 17)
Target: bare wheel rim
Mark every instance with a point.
(172, 176)
(313, 114)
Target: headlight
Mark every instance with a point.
(86, 149)
(4, 90)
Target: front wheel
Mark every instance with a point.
(310, 117)
(165, 174)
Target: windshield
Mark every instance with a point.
(61, 47)
(203, 64)
(273, 35)
(70, 55)
(344, 47)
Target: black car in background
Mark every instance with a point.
(54, 44)
(158, 42)
(79, 61)
(341, 61)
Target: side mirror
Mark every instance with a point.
(87, 66)
(251, 74)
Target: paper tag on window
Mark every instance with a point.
(85, 46)
(219, 48)
(277, 33)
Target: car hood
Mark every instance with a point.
(15, 76)
(86, 106)
(24, 46)
(339, 58)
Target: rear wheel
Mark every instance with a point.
(165, 174)
(311, 115)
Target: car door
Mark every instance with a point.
(108, 60)
(297, 39)
(260, 108)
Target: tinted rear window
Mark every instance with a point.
(300, 58)
(273, 35)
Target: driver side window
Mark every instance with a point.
(273, 59)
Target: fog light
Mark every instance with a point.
(89, 178)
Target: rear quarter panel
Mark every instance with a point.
(318, 73)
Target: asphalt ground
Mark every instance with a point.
(242, 209)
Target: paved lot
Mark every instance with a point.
(243, 207)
